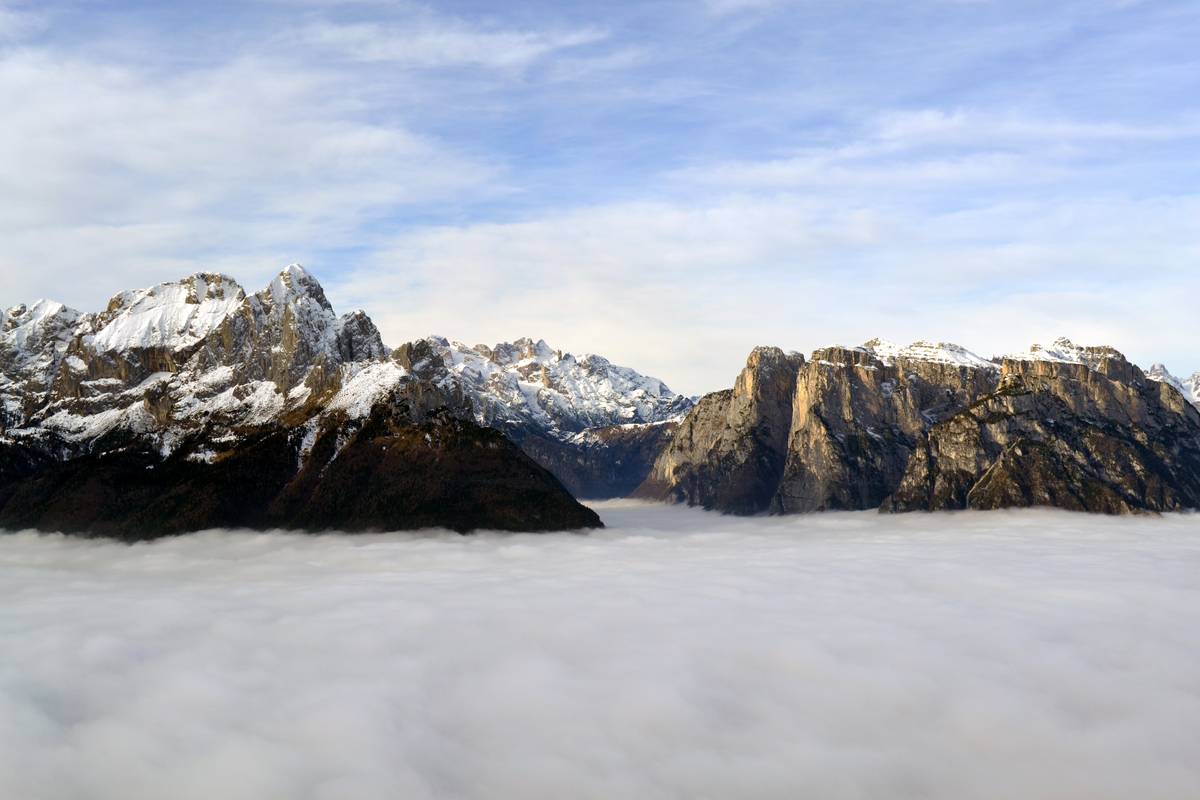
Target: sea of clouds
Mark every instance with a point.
(676, 654)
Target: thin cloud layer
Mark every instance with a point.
(674, 654)
(435, 44)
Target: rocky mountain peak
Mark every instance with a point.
(33, 342)
(171, 316)
(1188, 387)
(358, 339)
(21, 322)
(769, 364)
(294, 286)
(1158, 372)
(1065, 351)
(523, 349)
(527, 385)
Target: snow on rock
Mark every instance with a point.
(365, 387)
(201, 355)
(88, 428)
(1159, 373)
(941, 353)
(33, 343)
(1064, 351)
(527, 382)
(173, 316)
(25, 328)
(295, 319)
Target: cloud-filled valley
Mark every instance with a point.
(674, 654)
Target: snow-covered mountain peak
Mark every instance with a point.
(940, 353)
(173, 316)
(1065, 351)
(33, 342)
(294, 285)
(528, 382)
(20, 322)
(1159, 372)
(1188, 387)
(524, 349)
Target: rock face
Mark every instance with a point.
(1092, 435)
(193, 405)
(935, 426)
(729, 451)
(856, 418)
(597, 426)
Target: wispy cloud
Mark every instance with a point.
(722, 7)
(433, 43)
(18, 20)
(686, 289)
(141, 170)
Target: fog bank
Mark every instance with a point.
(676, 654)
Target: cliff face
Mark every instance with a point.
(934, 426)
(855, 422)
(729, 451)
(1095, 437)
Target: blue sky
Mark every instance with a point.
(666, 183)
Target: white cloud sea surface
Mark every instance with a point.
(676, 654)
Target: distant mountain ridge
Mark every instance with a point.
(595, 425)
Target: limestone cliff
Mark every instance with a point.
(730, 450)
(935, 426)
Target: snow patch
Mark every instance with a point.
(173, 316)
(366, 387)
(940, 353)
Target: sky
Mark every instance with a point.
(676, 654)
(666, 183)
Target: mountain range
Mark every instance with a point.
(195, 404)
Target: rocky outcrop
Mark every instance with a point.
(1092, 436)
(934, 426)
(192, 404)
(729, 452)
